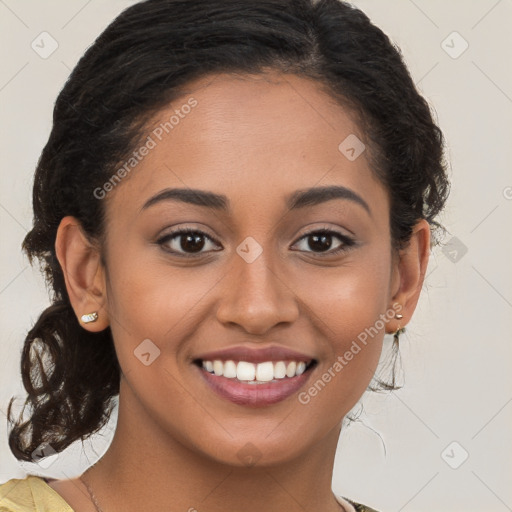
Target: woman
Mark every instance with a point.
(233, 208)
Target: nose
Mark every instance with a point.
(256, 297)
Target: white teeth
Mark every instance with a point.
(279, 370)
(229, 370)
(218, 367)
(245, 371)
(290, 370)
(267, 371)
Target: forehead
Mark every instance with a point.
(249, 137)
(269, 111)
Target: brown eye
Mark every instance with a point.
(187, 242)
(324, 241)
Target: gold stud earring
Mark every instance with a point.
(90, 317)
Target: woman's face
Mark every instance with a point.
(248, 276)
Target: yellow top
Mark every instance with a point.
(33, 494)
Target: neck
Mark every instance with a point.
(146, 468)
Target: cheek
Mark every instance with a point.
(349, 308)
(346, 299)
(150, 299)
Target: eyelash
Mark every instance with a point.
(347, 242)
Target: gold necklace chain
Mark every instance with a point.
(98, 508)
(91, 495)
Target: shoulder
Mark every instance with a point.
(354, 506)
(30, 494)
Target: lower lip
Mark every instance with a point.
(254, 395)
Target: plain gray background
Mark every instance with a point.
(442, 442)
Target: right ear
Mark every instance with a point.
(83, 272)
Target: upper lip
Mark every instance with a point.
(252, 355)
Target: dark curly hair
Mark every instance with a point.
(137, 66)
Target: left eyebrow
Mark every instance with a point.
(317, 195)
(190, 196)
(299, 199)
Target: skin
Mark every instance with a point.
(256, 140)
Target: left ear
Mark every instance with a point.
(409, 273)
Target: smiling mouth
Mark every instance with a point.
(265, 372)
